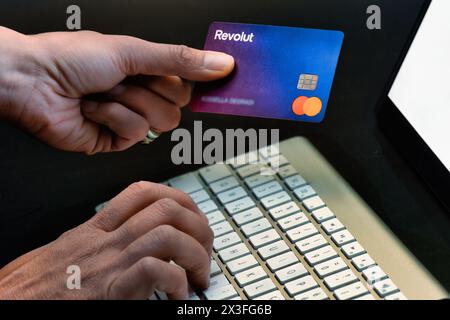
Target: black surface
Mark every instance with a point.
(414, 149)
(44, 191)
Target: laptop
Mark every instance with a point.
(304, 233)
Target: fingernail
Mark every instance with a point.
(218, 61)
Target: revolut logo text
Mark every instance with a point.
(236, 37)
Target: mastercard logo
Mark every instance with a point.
(310, 107)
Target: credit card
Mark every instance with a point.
(280, 73)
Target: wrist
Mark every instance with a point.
(16, 73)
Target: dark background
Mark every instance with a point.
(44, 192)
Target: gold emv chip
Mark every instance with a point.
(307, 82)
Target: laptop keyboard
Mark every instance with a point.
(275, 238)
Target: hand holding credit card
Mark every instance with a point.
(280, 73)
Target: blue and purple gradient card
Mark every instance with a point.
(281, 72)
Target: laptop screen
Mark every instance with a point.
(421, 90)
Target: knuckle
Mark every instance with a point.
(187, 57)
(147, 266)
(139, 187)
(165, 234)
(167, 205)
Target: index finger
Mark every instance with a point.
(135, 198)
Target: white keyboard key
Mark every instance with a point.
(267, 189)
(363, 261)
(340, 279)
(224, 184)
(100, 207)
(304, 192)
(396, 296)
(295, 182)
(187, 183)
(235, 298)
(244, 159)
(281, 261)
(284, 210)
(365, 297)
(278, 161)
(292, 272)
(320, 255)
(385, 287)
(233, 252)
(241, 264)
(275, 199)
(374, 274)
(353, 249)
(302, 232)
(287, 171)
(255, 227)
(259, 288)
(311, 243)
(264, 238)
(274, 295)
(199, 196)
(247, 216)
(342, 237)
(161, 295)
(257, 180)
(214, 269)
(215, 172)
(215, 217)
(273, 249)
(300, 285)
(251, 169)
(221, 228)
(295, 220)
(332, 225)
(231, 195)
(226, 241)
(351, 291)
(207, 206)
(314, 294)
(322, 214)
(250, 276)
(313, 203)
(222, 293)
(239, 205)
(218, 281)
(270, 151)
(329, 267)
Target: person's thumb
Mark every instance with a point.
(137, 56)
